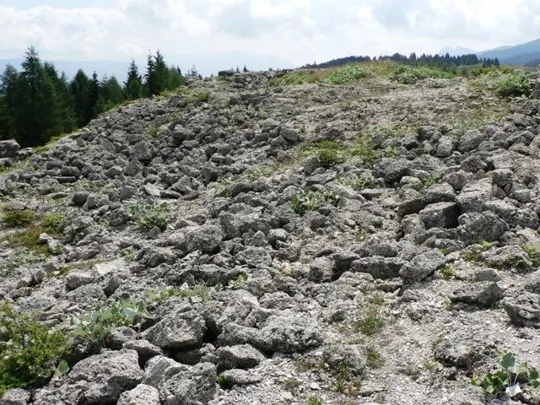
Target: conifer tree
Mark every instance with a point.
(79, 89)
(133, 86)
(150, 84)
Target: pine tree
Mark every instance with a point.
(64, 116)
(150, 84)
(110, 94)
(93, 96)
(245, 70)
(162, 73)
(79, 88)
(34, 103)
(7, 88)
(174, 78)
(133, 86)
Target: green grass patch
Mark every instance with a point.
(54, 222)
(348, 74)
(308, 200)
(14, 218)
(328, 152)
(203, 97)
(149, 216)
(27, 238)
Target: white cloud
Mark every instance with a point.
(297, 30)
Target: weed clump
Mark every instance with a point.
(513, 85)
(305, 201)
(149, 216)
(29, 349)
(14, 218)
(348, 74)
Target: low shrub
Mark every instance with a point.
(13, 217)
(348, 74)
(309, 200)
(149, 216)
(29, 350)
(514, 85)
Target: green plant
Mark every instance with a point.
(473, 252)
(348, 74)
(391, 151)
(448, 272)
(533, 251)
(16, 260)
(328, 152)
(314, 401)
(222, 187)
(369, 325)
(304, 201)
(410, 74)
(54, 222)
(430, 180)
(373, 357)
(508, 377)
(513, 85)
(291, 383)
(224, 382)
(357, 182)
(363, 149)
(153, 131)
(149, 216)
(13, 217)
(27, 238)
(195, 98)
(199, 292)
(29, 349)
(97, 324)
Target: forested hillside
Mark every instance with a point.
(439, 61)
(38, 102)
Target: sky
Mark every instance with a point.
(297, 31)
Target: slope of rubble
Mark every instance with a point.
(307, 244)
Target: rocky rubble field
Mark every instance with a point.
(248, 242)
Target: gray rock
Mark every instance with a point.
(106, 376)
(9, 148)
(240, 377)
(181, 329)
(288, 332)
(523, 309)
(140, 395)
(439, 193)
(485, 295)
(144, 348)
(471, 140)
(421, 267)
(440, 215)
(191, 386)
(240, 356)
(134, 167)
(350, 356)
(475, 227)
(15, 396)
(290, 134)
(77, 279)
(474, 196)
(463, 349)
(159, 369)
(79, 198)
(321, 270)
(142, 151)
(378, 266)
(205, 239)
(446, 146)
(392, 170)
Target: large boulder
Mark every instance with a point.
(191, 386)
(9, 148)
(140, 395)
(104, 377)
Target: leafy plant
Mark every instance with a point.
(13, 217)
(363, 149)
(430, 180)
(149, 216)
(222, 187)
(369, 325)
(348, 74)
(357, 182)
(291, 383)
(29, 349)
(514, 85)
(153, 131)
(54, 222)
(224, 382)
(314, 401)
(328, 152)
(533, 251)
(448, 272)
(508, 377)
(309, 200)
(199, 292)
(410, 74)
(16, 260)
(96, 325)
(196, 98)
(27, 238)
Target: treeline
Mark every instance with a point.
(39, 103)
(439, 61)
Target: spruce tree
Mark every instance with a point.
(162, 73)
(150, 83)
(133, 86)
(34, 103)
(79, 88)
(110, 94)
(93, 96)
